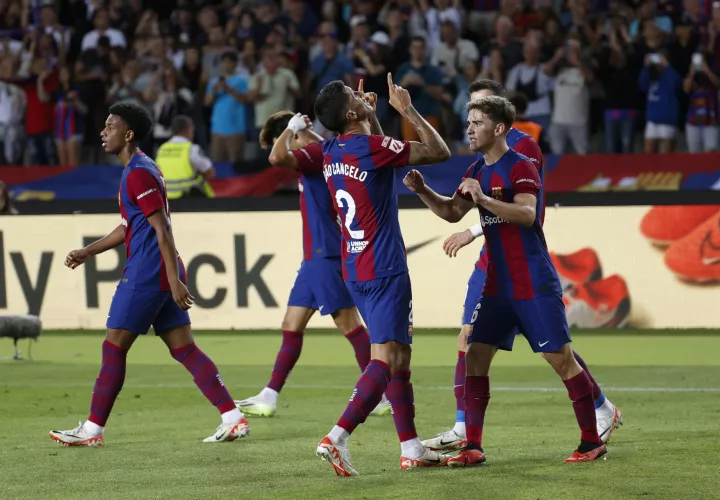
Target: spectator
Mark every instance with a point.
(661, 83)
(12, 113)
(495, 67)
(375, 66)
(359, 40)
(701, 85)
(213, 52)
(227, 94)
(38, 121)
(182, 28)
(530, 79)
(424, 83)
(272, 89)
(169, 101)
(101, 22)
(399, 38)
(191, 71)
(453, 54)
(92, 76)
(6, 206)
(301, 22)
(460, 104)
(571, 112)
(510, 48)
(436, 17)
(647, 11)
(331, 64)
(618, 74)
(68, 120)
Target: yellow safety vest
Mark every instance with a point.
(173, 158)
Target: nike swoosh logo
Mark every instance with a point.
(218, 438)
(443, 443)
(546, 342)
(435, 461)
(707, 247)
(418, 246)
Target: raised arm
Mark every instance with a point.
(432, 148)
(282, 155)
(451, 209)
(371, 98)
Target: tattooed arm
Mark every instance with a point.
(431, 148)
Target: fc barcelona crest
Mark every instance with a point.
(496, 192)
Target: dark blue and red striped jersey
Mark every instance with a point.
(142, 193)
(320, 221)
(519, 262)
(524, 144)
(358, 170)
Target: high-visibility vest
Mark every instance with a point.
(530, 128)
(173, 159)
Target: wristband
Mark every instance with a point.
(476, 230)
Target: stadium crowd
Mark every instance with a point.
(593, 75)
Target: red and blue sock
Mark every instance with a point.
(205, 375)
(597, 394)
(108, 383)
(286, 358)
(402, 401)
(580, 391)
(360, 340)
(459, 388)
(367, 394)
(477, 397)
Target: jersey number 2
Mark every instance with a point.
(343, 196)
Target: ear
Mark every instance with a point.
(351, 115)
(129, 136)
(499, 129)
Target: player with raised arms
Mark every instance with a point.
(319, 285)
(359, 170)
(522, 291)
(607, 415)
(152, 289)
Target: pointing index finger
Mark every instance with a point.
(390, 82)
(361, 87)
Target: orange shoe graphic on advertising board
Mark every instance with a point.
(696, 257)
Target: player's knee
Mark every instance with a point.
(346, 320)
(478, 359)
(563, 362)
(296, 319)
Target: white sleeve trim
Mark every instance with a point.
(476, 230)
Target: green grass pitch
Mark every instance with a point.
(667, 385)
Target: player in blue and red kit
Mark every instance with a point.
(359, 170)
(152, 289)
(608, 416)
(319, 285)
(522, 291)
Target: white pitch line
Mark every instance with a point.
(343, 387)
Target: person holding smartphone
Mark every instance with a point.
(661, 83)
(701, 85)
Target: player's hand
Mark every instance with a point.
(308, 122)
(414, 182)
(399, 97)
(472, 187)
(297, 123)
(456, 241)
(370, 97)
(181, 296)
(76, 258)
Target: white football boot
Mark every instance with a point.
(608, 418)
(229, 432)
(445, 441)
(79, 436)
(257, 405)
(337, 456)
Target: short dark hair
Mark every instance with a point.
(486, 84)
(180, 123)
(273, 127)
(331, 105)
(135, 117)
(520, 101)
(498, 109)
(418, 39)
(229, 54)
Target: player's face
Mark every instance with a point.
(358, 105)
(480, 94)
(481, 131)
(114, 135)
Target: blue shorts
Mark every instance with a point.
(473, 294)
(319, 286)
(541, 320)
(136, 310)
(386, 306)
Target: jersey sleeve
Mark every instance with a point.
(309, 158)
(528, 147)
(470, 173)
(387, 152)
(144, 191)
(524, 178)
